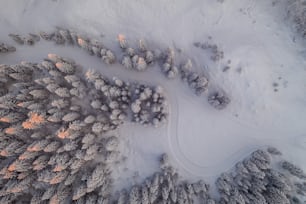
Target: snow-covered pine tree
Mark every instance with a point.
(97, 178)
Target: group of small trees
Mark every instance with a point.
(216, 53)
(138, 60)
(135, 59)
(198, 83)
(148, 105)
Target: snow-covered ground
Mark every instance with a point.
(266, 80)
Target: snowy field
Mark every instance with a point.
(262, 72)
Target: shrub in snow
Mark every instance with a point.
(273, 151)
(30, 40)
(294, 170)
(6, 48)
(216, 53)
(58, 38)
(164, 161)
(66, 36)
(17, 38)
(218, 100)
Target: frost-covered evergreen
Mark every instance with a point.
(195, 81)
(168, 66)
